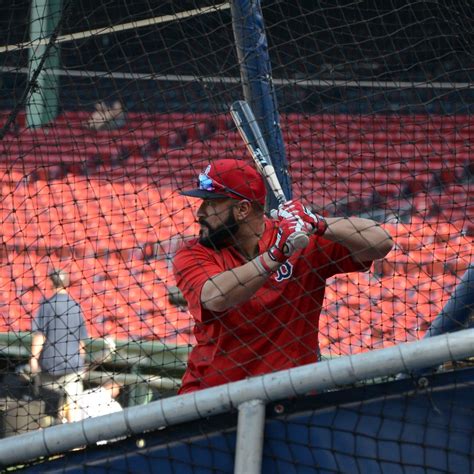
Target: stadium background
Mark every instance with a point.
(376, 104)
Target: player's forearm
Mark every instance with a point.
(236, 286)
(364, 238)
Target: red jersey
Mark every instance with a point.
(276, 329)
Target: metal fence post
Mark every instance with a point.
(250, 430)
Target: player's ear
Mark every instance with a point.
(242, 209)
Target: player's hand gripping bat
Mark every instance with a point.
(250, 132)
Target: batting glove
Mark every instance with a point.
(289, 229)
(314, 223)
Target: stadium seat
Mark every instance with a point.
(333, 158)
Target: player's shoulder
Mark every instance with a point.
(187, 246)
(191, 249)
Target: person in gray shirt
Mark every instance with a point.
(57, 352)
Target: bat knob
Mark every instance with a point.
(298, 240)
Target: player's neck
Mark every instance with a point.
(248, 237)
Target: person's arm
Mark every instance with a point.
(82, 350)
(364, 238)
(82, 336)
(233, 287)
(37, 344)
(236, 286)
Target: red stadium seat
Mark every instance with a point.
(107, 224)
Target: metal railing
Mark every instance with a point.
(249, 396)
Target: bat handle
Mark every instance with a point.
(299, 240)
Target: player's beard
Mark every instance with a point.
(222, 236)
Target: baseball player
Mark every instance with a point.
(255, 299)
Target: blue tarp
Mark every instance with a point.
(385, 428)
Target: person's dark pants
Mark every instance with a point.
(57, 390)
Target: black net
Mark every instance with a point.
(109, 109)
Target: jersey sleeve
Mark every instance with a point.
(192, 268)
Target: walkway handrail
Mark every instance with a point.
(317, 377)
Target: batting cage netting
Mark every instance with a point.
(117, 291)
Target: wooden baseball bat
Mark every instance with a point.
(251, 134)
